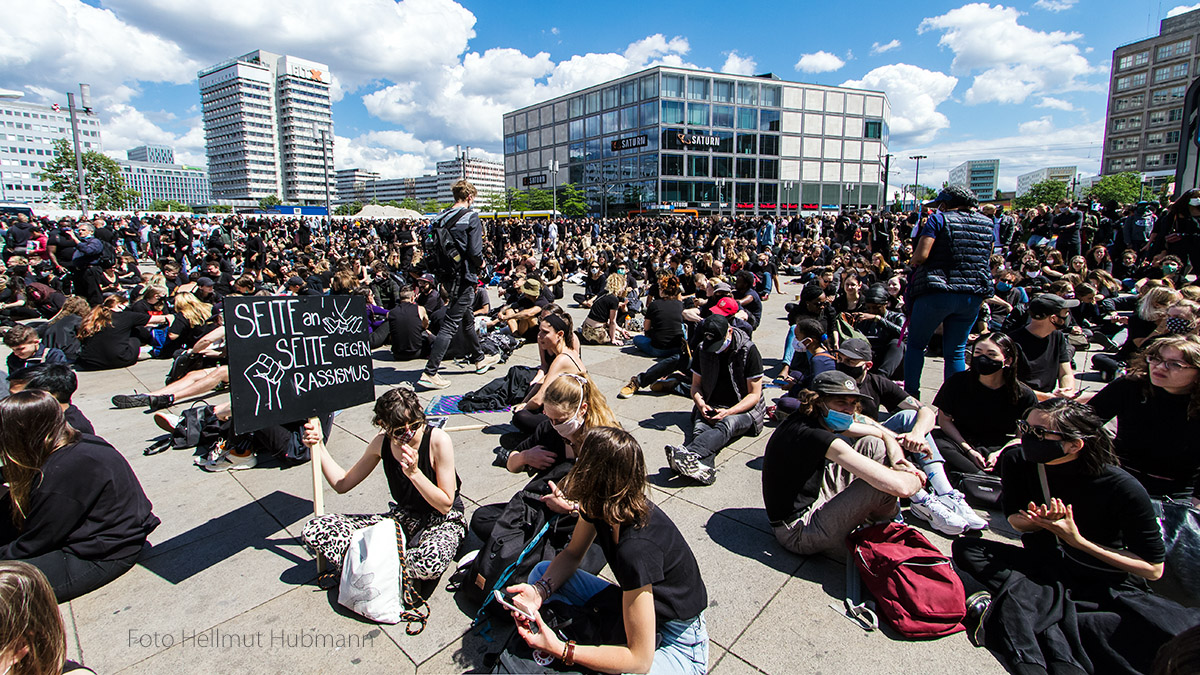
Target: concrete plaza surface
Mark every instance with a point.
(228, 587)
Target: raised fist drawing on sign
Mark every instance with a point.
(265, 374)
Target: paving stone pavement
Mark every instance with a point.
(227, 586)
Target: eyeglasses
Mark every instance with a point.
(1026, 429)
(1172, 366)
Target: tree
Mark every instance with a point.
(539, 200)
(410, 204)
(431, 206)
(571, 201)
(219, 208)
(1125, 188)
(495, 202)
(348, 209)
(266, 203)
(517, 200)
(102, 181)
(168, 205)
(1046, 192)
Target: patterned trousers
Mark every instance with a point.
(432, 539)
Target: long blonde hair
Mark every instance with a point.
(567, 390)
(195, 312)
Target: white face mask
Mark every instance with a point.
(1194, 201)
(725, 346)
(570, 426)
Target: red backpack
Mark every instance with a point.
(915, 587)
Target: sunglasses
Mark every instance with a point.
(403, 431)
(1026, 429)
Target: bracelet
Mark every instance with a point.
(568, 657)
(543, 588)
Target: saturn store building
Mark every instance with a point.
(671, 138)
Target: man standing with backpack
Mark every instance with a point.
(455, 256)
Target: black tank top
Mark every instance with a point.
(404, 493)
(405, 328)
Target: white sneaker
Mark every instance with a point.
(939, 516)
(958, 504)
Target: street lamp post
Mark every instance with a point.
(325, 169)
(917, 175)
(720, 196)
(85, 95)
(552, 167)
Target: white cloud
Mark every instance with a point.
(877, 48)
(554, 30)
(1013, 62)
(915, 94)
(466, 101)
(1039, 126)
(736, 64)
(1181, 9)
(124, 127)
(1056, 104)
(1055, 5)
(819, 62)
(53, 45)
(1080, 146)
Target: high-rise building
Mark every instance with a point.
(27, 135)
(263, 117)
(355, 185)
(154, 154)
(978, 175)
(1148, 81)
(487, 177)
(668, 137)
(160, 178)
(1062, 174)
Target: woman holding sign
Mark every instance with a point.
(418, 461)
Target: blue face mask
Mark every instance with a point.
(1003, 286)
(838, 421)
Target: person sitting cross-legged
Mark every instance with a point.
(727, 377)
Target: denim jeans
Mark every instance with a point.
(455, 312)
(642, 342)
(902, 422)
(681, 645)
(956, 313)
(707, 439)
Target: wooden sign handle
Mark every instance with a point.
(318, 485)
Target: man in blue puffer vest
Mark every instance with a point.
(950, 279)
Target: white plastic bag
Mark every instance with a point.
(371, 573)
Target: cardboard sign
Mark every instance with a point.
(291, 358)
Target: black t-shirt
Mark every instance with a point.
(1111, 510)
(78, 420)
(724, 394)
(656, 554)
(666, 323)
(882, 393)
(603, 306)
(1156, 441)
(115, 346)
(87, 502)
(754, 308)
(793, 466)
(1040, 357)
(985, 417)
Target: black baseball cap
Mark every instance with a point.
(836, 383)
(856, 348)
(205, 281)
(295, 281)
(954, 196)
(1049, 303)
(713, 331)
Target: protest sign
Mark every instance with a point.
(291, 358)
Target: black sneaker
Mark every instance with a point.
(123, 401)
(977, 607)
(160, 402)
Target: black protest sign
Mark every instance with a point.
(291, 358)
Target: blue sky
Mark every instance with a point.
(1026, 82)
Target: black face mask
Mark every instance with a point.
(855, 372)
(986, 365)
(1043, 450)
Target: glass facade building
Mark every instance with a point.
(678, 138)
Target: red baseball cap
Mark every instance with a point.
(726, 307)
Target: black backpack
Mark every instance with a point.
(442, 255)
(525, 534)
